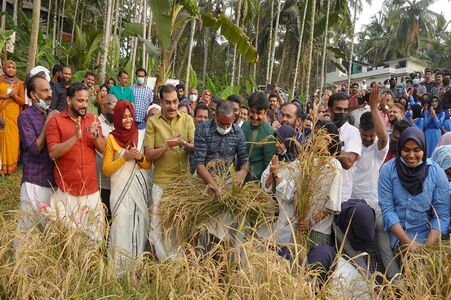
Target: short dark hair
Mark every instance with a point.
(258, 100)
(31, 84)
(332, 130)
(366, 121)
(273, 95)
(337, 97)
(121, 72)
(180, 86)
(141, 69)
(401, 125)
(245, 107)
(216, 99)
(89, 73)
(234, 98)
(166, 89)
(427, 70)
(57, 68)
(355, 84)
(224, 108)
(114, 80)
(74, 88)
(438, 73)
(201, 106)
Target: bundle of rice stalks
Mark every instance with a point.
(313, 174)
(188, 203)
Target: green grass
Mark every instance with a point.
(9, 191)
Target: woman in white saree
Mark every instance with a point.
(130, 187)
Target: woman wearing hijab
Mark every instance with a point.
(12, 98)
(413, 194)
(130, 186)
(442, 156)
(433, 121)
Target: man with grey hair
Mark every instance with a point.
(106, 122)
(220, 139)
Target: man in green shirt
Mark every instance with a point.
(259, 136)
(121, 90)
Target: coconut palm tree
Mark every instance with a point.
(34, 34)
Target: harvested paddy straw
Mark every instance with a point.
(188, 203)
(313, 175)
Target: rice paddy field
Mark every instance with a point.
(58, 263)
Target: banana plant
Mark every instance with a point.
(171, 17)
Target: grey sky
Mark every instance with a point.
(370, 10)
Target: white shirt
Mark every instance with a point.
(366, 174)
(104, 181)
(350, 136)
(347, 282)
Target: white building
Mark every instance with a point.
(393, 68)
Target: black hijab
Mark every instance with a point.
(412, 178)
(288, 135)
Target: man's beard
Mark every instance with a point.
(77, 112)
(392, 122)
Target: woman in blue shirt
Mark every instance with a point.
(413, 194)
(433, 120)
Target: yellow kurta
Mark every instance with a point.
(9, 137)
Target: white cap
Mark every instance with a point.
(39, 69)
(153, 105)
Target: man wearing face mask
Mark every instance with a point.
(349, 136)
(37, 177)
(220, 138)
(106, 122)
(143, 97)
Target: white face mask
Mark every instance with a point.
(416, 81)
(41, 103)
(387, 86)
(223, 131)
(404, 162)
(193, 98)
(140, 80)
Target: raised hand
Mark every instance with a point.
(78, 131)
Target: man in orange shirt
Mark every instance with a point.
(72, 138)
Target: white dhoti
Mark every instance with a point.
(34, 199)
(164, 248)
(84, 213)
(129, 201)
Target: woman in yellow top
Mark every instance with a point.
(12, 98)
(130, 187)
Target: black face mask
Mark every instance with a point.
(307, 131)
(445, 82)
(109, 117)
(340, 118)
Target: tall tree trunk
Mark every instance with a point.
(238, 77)
(15, 11)
(3, 23)
(204, 63)
(309, 68)
(138, 19)
(62, 21)
(174, 62)
(234, 48)
(49, 10)
(34, 34)
(298, 56)
(74, 20)
(82, 17)
(323, 61)
(116, 18)
(276, 31)
(257, 28)
(268, 62)
(354, 21)
(144, 52)
(55, 22)
(106, 38)
(190, 51)
(282, 59)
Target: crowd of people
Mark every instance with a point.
(105, 153)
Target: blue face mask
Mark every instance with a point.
(41, 103)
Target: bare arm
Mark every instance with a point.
(379, 127)
(203, 173)
(155, 153)
(347, 159)
(58, 150)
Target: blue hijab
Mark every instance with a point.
(442, 156)
(412, 178)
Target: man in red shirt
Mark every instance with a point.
(72, 138)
